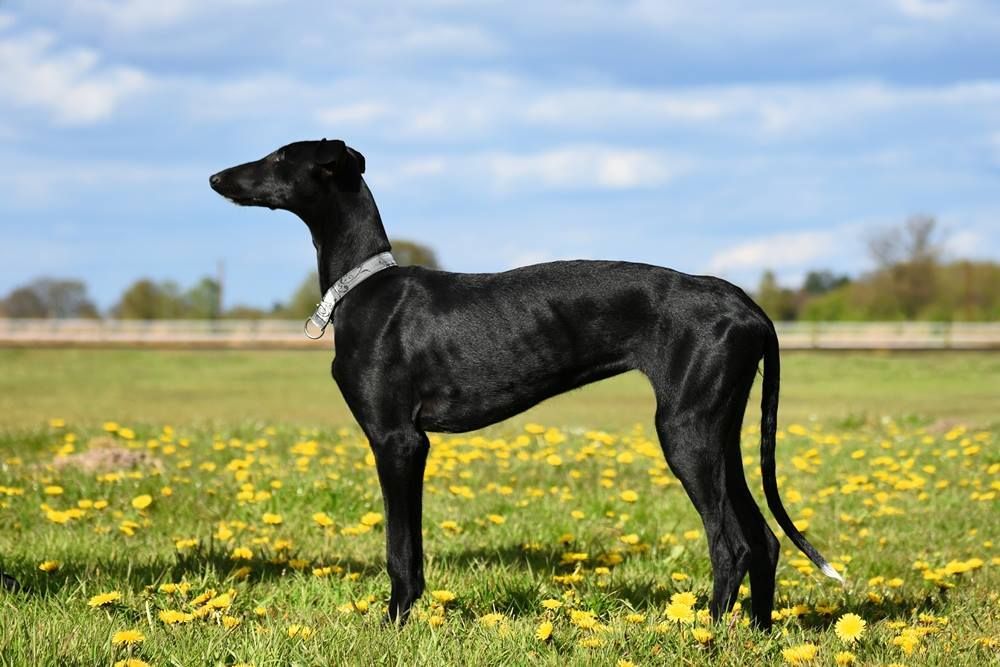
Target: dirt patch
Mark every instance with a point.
(105, 454)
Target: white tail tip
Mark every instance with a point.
(830, 572)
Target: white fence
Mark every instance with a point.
(288, 334)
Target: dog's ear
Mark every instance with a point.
(328, 153)
(359, 157)
(345, 164)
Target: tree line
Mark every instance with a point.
(911, 280)
(148, 299)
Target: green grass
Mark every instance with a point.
(880, 495)
(226, 387)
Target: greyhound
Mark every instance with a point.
(420, 350)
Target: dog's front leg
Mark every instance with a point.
(400, 455)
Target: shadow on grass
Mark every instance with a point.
(503, 566)
(198, 565)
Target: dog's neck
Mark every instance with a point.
(346, 231)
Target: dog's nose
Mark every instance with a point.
(214, 180)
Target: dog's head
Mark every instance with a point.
(300, 174)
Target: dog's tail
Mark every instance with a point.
(768, 437)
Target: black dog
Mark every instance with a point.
(420, 350)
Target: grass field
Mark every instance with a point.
(231, 515)
(87, 387)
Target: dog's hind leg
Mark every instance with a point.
(694, 436)
(764, 546)
(400, 457)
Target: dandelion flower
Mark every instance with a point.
(844, 659)
(272, 519)
(442, 596)
(142, 502)
(241, 553)
(104, 599)
(850, 627)
(685, 598)
(127, 637)
(322, 519)
(48, 566)
(552, 604)
(701, 635)
(544, 631)
(371, 519)
(800, 655)
(132, 662)
(680, 613)
(629, 496)
(172, 616)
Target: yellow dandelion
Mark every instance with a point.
(490, 620)
(220, 602)
(680, 613)
(300, 631)
(443, 596)
(371, 519)
(701, 635)
(272, 519)
(496, 518)
(142, 502)
(172, 616)
(322, 519)
(800, 655)
(685, 598)
(544, 631)
(48, 566)
(241, 553)
(554, 460)
(132, 662)
(844, 659)
(104, 599)
(127, 637)
(850, 627)
(552, 604)
(230, 622)
(629, 496)
(583, 619)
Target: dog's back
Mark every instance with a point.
(478, 348)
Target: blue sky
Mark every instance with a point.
(716, 137)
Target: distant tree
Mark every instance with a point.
(411, 253)
(202, 302)
(907, 259)
(778, 302)
(821, 282)
(303, 301)
(50, 297)
(148, 300)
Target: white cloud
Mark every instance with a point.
(73, 86)
(580, 168)
(777, 251)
